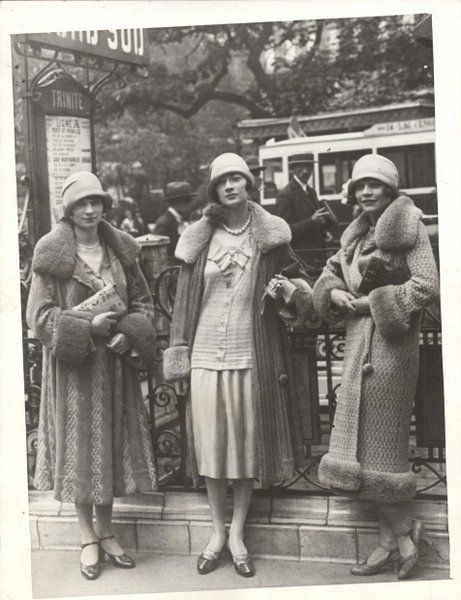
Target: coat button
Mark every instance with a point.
(367, 369)
(283, 379)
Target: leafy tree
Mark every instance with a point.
(373, 61)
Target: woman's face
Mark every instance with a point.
(372, 196)
(87, 213)
(231, 190)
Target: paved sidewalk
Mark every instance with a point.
(55, 573)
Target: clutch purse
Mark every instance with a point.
(104, 300)
(379, 273)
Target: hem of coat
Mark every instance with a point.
(143, 485)
(339, 474)
(349, 479)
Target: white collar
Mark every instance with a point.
(303, 185)
(175, 214)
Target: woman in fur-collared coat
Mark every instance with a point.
(368, 453)
(94, 440)
(227, 337)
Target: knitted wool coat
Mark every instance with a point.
(93, 440)
(368, 453)
(279, 419)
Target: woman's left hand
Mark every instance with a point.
(280, 287)
(119, 343)
(362, 305)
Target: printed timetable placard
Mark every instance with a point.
(68, 149)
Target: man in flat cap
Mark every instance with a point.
(298, 204)
(174, 220)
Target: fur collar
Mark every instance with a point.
(268, 231)
(396, 229)
(55, 252)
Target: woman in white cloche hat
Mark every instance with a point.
(380, 280)
(227, 339)
(89, 305)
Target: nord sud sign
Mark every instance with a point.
(121, 45)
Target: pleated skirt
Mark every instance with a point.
(224, 423)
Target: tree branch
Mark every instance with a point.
(253, 62)
(255, 110)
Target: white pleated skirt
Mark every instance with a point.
(224, 423)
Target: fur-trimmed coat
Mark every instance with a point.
(276, 405)
(93, 441)
(368, 453)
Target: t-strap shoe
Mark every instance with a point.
(122, 561)
(90, 571)
(367, 568)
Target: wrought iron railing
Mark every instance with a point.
(324, 348)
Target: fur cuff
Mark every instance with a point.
(71, 340)
(303, 301)
(321, 295)
(339, 474)
(141, 334)
(387, 487)
(391, 321)
(176, 363)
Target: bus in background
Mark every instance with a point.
(409, 143)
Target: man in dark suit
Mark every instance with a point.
(298, 204)
(174, 220)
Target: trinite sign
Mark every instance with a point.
(62, 112)
(68, 149)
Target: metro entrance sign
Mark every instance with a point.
(59, 109)
(119, 45)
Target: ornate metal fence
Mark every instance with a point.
(320, 351)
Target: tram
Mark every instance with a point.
(409, 143)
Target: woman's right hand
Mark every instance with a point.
(101, 324)
(343, 300)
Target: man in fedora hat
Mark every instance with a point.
(173, 221)
(298, 204)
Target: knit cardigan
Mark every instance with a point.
(278, 415)
(368, 453)
(93, 439)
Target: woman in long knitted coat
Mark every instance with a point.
(368, 453)
(93, 441)
(244, 419)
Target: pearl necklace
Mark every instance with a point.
(238, 231)
(88, 247)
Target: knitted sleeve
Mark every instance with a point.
(392, 305)
(330, 279)
(138, 324)
(176, 358)
(67, 333)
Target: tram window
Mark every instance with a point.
(273, 177)
(415, 164)
(421, 166)
(336, 168)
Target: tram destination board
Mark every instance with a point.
(120, 45)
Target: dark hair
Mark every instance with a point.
(390, 192)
